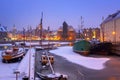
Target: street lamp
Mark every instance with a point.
(113, 33)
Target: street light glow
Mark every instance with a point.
(113, 32)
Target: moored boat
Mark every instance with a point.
(82, 47)
(12, 55)
(103, 48)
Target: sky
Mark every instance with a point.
(25, 13)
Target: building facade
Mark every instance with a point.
(110, 28)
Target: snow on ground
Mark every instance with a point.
(88, 62)
(7, 70)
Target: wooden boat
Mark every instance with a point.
(12, 55)
(82, 47)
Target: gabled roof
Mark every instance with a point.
(112, 17)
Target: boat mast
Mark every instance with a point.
(48, 37)
(81, 28)
(30, 32)
(102, 29)
(24, 36)
(40, 27)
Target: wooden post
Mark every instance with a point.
(16, 72)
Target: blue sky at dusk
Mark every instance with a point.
(24, 13)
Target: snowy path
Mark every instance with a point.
(88, 62)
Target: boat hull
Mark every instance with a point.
(103, 48)
(82, 47)
(9, 58)
(12, 55)
(82, 52)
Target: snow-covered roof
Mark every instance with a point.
(3, 29)
(112, 17)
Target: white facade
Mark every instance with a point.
(110, 28)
